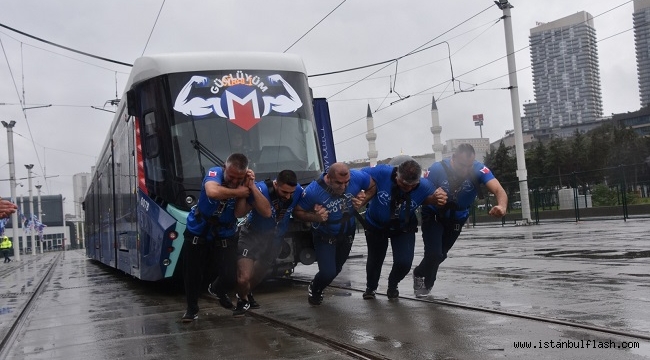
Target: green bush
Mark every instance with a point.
(601, 195)
(633, 198)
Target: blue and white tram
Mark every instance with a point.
(180, 115)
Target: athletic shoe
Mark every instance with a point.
(251, 300)
(424, 292)
(392, 293)
(224, 299)
(314, 298)
(211, 292)
(242, 307)
(419, 289)
(369, 294)
(189, 317)
(254, 304)
(418, 282)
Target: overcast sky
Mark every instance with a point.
(65, 138)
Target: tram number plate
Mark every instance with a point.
(145, 204)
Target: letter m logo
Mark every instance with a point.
(243, 111)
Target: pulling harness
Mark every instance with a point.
(280, 207)
(455, 185)
(212, 226)
(395, 226)
(345, 218)
(277, 204)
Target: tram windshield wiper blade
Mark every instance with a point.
(207, 153)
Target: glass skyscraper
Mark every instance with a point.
(566, 78)
(641, 19)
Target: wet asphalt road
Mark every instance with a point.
(592, 272)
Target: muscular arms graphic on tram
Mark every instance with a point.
(199, 106)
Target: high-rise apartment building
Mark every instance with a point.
(80, 183)
(566, 78)
(641, 20)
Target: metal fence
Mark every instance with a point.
(621, 192)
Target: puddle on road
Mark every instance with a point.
(638, 275)
(598, 254)
(507, 276)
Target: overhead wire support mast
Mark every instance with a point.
(516, 115)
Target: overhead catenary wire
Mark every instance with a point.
(59, 54)
(65, 47)
(152, 28)
(418, 49)
(491, 62)
(492, 22)
(13, 79)
(313, 27)
(441, 98)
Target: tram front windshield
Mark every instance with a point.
(265, 115)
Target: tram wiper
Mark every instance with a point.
(207, 153)
(203, 150)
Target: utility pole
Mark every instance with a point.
(516, 115)
(12, 184)
(31, 206)
(40, 215)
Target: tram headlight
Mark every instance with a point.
(167, 262)
(173, 235)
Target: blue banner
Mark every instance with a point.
(324, 129)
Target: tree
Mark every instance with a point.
(504, 167)
(535, 158)
(557, 159)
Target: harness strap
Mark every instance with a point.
(212, 223)
(396, 200)
(274, 197)
(346, 216)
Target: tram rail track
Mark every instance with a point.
(9, 271)
(354, 352)
(350, 350)
(538, 318)
(10, 336)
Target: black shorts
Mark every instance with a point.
(258, 246)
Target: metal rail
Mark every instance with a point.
(10, 336)
(507, 313)
(351, 350)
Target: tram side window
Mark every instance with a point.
(151, 149)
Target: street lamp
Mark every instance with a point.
(12, 180)
(31, 204)
(40, 214)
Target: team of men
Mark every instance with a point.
(242, 255)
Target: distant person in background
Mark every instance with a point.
(237, 143)
(460, 177)
(5, 246)
(329, 204)
(261, 237)
(391, 215)
(7, 208)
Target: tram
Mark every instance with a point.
(180, 115)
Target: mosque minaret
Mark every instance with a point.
(371, 137)
(436, 129)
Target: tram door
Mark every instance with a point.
(106, 225)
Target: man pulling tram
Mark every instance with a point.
(211, 234)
